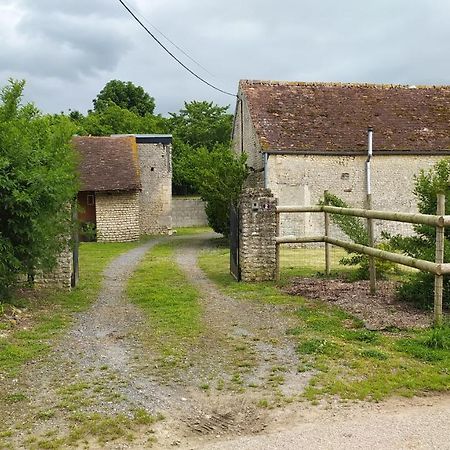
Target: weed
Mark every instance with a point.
(373, 353)
(263, 403)
(15, 397)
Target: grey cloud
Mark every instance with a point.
(90, 42)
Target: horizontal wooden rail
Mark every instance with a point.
(415, 218)
(299, 209)
(299, 239)
(421, 264)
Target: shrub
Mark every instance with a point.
(218, 175)
(419, 288)
(37, 184)
(354, 228)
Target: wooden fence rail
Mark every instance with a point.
(440, 221)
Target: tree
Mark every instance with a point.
(126, 95)
(199, 124)
(420, 286)
(116, 120)
(37, 184)
(202, 124)
(218, 175)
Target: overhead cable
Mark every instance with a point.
(144, 19)
(170, 53)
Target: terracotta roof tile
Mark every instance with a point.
(107, 163)
(335, 117)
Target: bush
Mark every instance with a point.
(218, 176)
(354, 228)
(37, 184)
(419, 289)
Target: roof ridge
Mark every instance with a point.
(339, 84)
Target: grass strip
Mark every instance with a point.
(170, 302)
(349, 361)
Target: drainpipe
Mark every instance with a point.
(266, 170)
(368, 160)
(370, 224)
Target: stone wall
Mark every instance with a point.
(61, 275)
(188, 212)
(245, 140)
(302, 179)
(155, 161)
(117, 216)
(258, 229)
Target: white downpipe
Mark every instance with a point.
(368, 161)
(266, 170)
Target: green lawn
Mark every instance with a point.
(50, 311)
(349, 360)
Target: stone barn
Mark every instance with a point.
(126, 185)
(304, 138)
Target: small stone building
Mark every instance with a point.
(126, 185)
(304, 138)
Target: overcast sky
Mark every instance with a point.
(68, 49)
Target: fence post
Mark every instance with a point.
(439, 279)
(370, 234)
(327, 233)
(277, 250)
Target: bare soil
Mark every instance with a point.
(378, 312)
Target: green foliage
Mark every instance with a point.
(199, 124)
(354, 228)
(218, 175)
(126, 95)
(37, 184)
(202, 124)
(113, 119)
(420, 287)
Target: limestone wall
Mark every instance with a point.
(117, 216)
(257, 245)
(188, 212)
(61, 276)
(245, 140)
(302, 179)
(155, 199)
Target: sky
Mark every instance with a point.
(67, 50)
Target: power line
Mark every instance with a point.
(171, 54)
(144, 19)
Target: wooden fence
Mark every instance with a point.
(439, 221)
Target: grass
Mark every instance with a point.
(192, 230)
(48, 311)
(170, 302)
(348, 360)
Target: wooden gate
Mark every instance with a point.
(234, 243)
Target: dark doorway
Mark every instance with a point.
(87, 216)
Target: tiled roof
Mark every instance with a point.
(335, 117)
(107, 163)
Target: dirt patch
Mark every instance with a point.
(378, 312)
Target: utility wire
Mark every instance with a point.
(144, 19)
(170, 53)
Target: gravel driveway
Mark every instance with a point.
(103, 358)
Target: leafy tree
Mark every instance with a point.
(420, 286)
(37, 184)
(218, 175)
(116, 120)
(198, 124)
(202, 124)
(126, 95)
